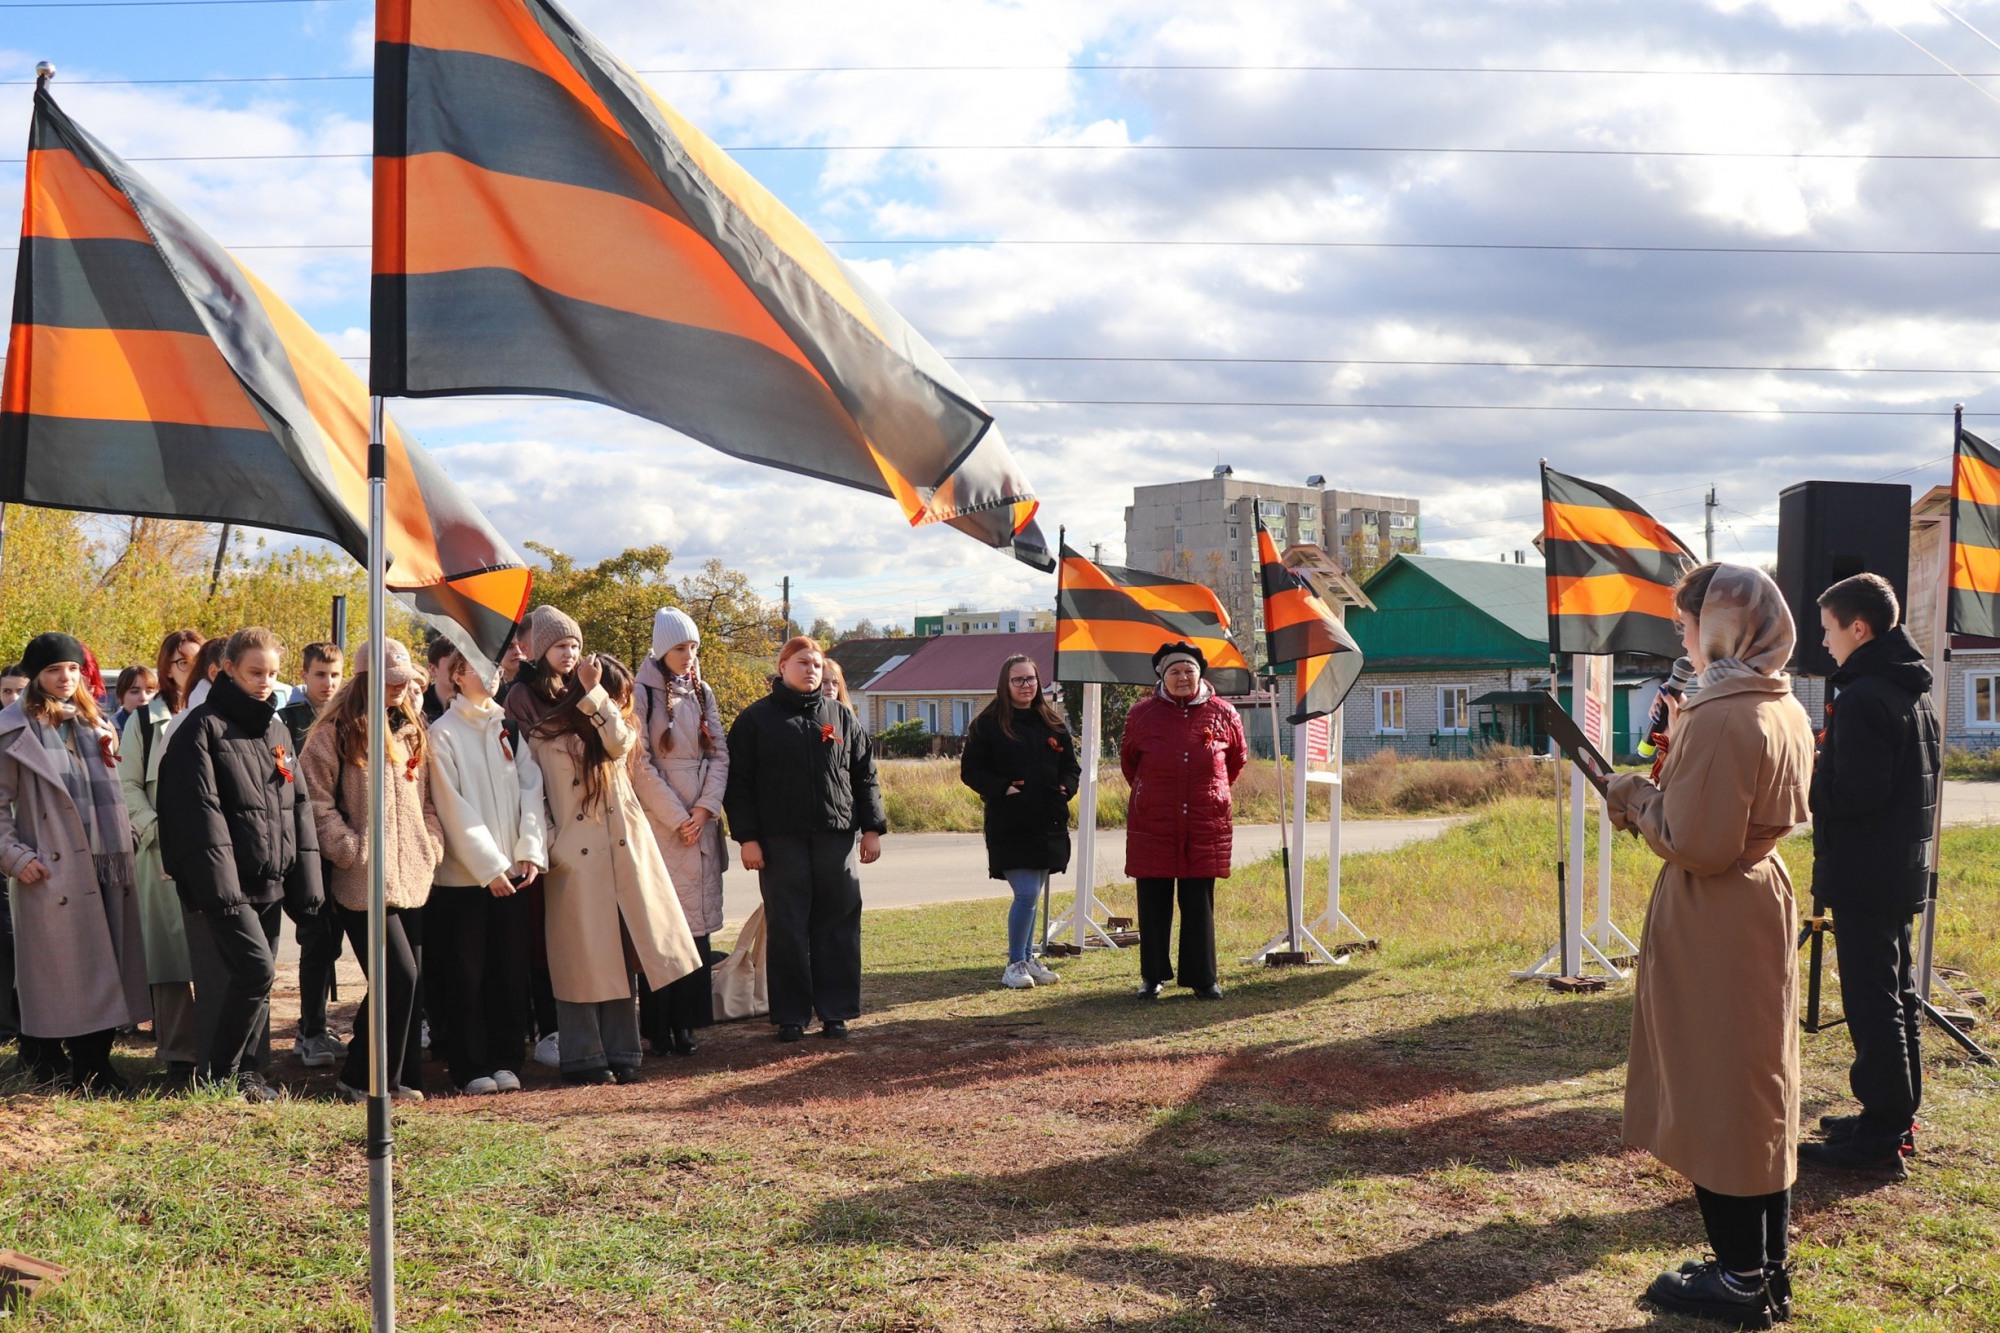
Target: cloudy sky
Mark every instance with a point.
(1413, 247)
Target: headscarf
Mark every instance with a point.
(1746, 628)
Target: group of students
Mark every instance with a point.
(553, 854)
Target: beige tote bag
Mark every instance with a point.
(739, 979)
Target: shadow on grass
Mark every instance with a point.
(1439, 1282)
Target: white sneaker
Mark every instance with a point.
(404, 1095)
(1043, 976)
(424, 1036)
(1016, 977)
(482, 1087)
(548, 1051)
(506, 1080)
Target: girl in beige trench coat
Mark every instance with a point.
(1712, 1088)
(611, 910)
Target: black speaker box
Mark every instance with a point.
(1827, 531)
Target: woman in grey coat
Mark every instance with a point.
(66, 845)
(680, 773)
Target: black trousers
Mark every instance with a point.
(404, 937)
(476, 978)
(687, 1003)
(1747, 1232)
(319, 951)
(811, 885)
(245, 941)
(1156, 923)
(1878, 992)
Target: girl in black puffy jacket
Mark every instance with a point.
(237, 836)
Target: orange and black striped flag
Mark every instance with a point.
(1611, 568)
(545, 223)
(1111, 620)
(150, 373)
(1300, 627)
(1975, 537)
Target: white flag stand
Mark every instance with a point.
(1298, 940)
(1081, 918)
(1574, 950)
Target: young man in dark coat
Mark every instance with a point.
(1874, 809)
(803, 800)
(319, 937)
(238, 838)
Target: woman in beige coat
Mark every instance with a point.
(680, 773)
(1713, 1085)
(610, 907)
(335, 765)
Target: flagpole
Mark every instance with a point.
(381, 1135)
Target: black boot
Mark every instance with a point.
(1705, 1292)
(1778, 1285)
(1856, 1154)
(684, 1042)
(1834, 1127)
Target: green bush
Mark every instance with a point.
(905, 740)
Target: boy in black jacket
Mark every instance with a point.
(238, 838)
(318, 935)
(1874, 809)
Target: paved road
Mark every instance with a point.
(920, 868)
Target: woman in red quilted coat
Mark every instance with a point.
(1182, 749)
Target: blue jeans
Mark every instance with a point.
(1027, 886)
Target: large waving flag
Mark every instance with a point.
(150, 373)
(1975, 537)
(1111, 620)
(545, 223)
(1611, 568)
(1300, 627)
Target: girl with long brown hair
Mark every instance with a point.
(681, 772)
(163, 920)
(65, 845)
(335, 766)
(1021, 759)
(611, 910)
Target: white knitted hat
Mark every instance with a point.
(673, 627)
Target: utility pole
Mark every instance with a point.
(1708, 527)
(788, 605)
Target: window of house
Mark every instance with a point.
(961, 716)
(1454, 709)
(1234, 534)
(1234, 556)
(1982, 700)
(1177, 537)
(931, 716)
(1389, 710)
(1013, 627)
(899, 711)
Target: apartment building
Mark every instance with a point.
(1205, 531)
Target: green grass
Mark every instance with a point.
(1973, 765)
(1413, 1141)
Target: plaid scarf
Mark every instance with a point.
(93, 790)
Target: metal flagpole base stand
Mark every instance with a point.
(1953, 1022)
(1549, 968)
(1278, 953)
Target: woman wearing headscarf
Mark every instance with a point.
(681, 771)
(1712, 1088)
(66, 845)
(1182, 750)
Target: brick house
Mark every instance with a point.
(946, 681)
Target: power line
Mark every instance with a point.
(146, 4)
(1385, 150)
(1483, 407)
(1207, 243)
(1093, 67)
(1476, 365)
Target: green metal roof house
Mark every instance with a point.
(1447, 643)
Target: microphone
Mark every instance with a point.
(1675, 688)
